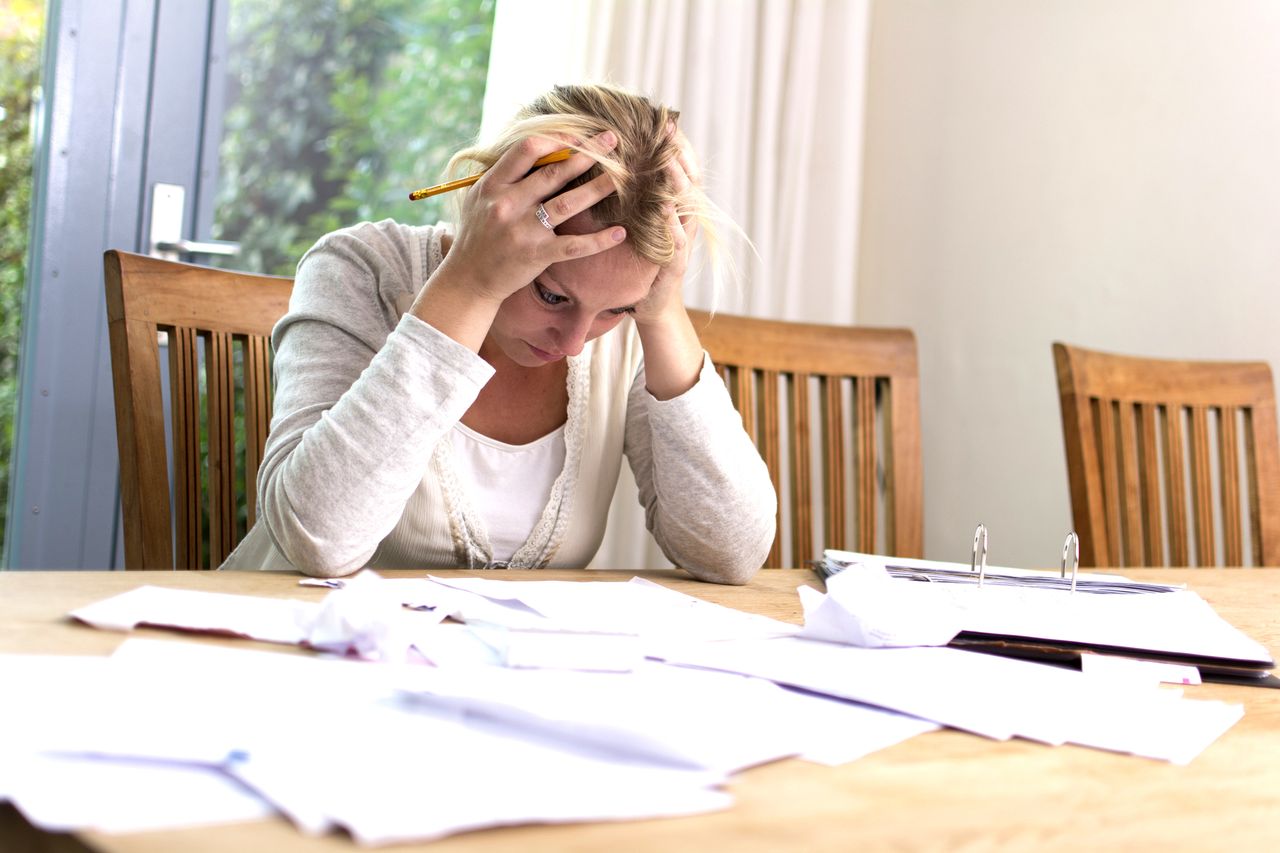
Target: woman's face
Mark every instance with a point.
(571, 302)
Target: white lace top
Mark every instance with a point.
(508, 486)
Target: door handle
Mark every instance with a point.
(168, 203)
(197, 247)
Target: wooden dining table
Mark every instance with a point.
(946, 790)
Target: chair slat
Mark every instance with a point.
(220, 378)
(1201, 486)
(1175, 473)
(184, 381)
(833, 443)
(1130, 496)
(1229, 475)
(744, 380)
(1106, 441)
(257, 413)
(1263, 452)
(1149, 452)
(770, 449)
(1251, 484)
(865, 467)
(904, 521)
(801, 460)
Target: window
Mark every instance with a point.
(21, 33)
(335, 110)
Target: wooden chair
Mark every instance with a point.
(796, 385)
(218, 325)
(1139, 439)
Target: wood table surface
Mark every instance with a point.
(942, 791)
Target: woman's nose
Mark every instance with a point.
(571, 337)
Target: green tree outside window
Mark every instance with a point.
(21, 31)
(336, 110)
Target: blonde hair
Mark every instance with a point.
(647, 144)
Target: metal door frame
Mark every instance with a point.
(128, 85)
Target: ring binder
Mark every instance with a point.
(1014, 612)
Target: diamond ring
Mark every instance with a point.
(541, 213)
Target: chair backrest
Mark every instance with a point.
(218, 324)
(1140, 440)
(857, 487)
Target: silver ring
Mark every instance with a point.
(541, 213)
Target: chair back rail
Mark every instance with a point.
(210, 317)
(796, 385)
(1170, 462)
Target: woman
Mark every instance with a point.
(463, 398)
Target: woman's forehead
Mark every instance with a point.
(615, 278)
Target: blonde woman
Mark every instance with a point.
(464, 397)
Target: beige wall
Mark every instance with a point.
(1104, 172)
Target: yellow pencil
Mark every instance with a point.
(450, 186)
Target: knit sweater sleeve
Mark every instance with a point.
(708, 499)
(362, 398)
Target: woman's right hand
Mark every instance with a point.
(501, 244)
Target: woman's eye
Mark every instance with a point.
(630, 309)
(547, 296)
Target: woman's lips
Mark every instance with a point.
(543, 354)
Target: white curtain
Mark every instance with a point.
(771, 96)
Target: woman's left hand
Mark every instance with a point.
(672, 353)
(666, 298)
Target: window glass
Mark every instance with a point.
(335, 110)
(21, 35)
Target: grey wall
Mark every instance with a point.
(119, 116)
(1102, 172)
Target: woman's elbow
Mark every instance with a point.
(314, 560)
(738, 563)
(729, 576)
(311, 552)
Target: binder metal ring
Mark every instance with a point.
(980, 568)
(1072, 540)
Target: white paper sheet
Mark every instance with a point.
(367, 616)
(396, 776)
(270, 619)
(1172, 622)
(364, 616)
(665, 715)
(865, 607)
(638, 606)
(332, 743)
(837, 731)
(68, 793)
(984, 694)
(551, 649)
(49, 702)
(1134, 670)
